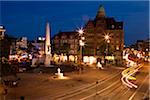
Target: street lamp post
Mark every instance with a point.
(81, 42)
(80, 53)
(107, 39)
(81, 48)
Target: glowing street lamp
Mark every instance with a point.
(81, 42)
(108, 41)
(82, 38)
(106, 37)
(80, 31)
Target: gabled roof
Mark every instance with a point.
(110, 20)
(90, 23)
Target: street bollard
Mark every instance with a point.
(96, 87)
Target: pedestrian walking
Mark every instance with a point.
(99, 65)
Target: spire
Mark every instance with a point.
(101, 12)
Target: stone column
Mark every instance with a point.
(47, 47)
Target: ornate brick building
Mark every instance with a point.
(65, 42)
(96, 42)
(96, 31)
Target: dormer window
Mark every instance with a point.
(120, 27)
(112, 26)
(56, 37)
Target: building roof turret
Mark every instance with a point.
(101, 12)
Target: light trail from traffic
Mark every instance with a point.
(127, 73)
(132, 96)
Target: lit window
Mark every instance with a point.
(1, 26)
(120, 27)
(43, 38)
(71, 37)
(40, 38)
(117, 47)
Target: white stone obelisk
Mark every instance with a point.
(47, 47)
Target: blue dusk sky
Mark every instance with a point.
(28, 18)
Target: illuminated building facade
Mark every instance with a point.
(2, 31)
(39, 45)
(142, 45)
(7, 43)
(95, 42)
(21, 42)
(65, 42)
(95, 32)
